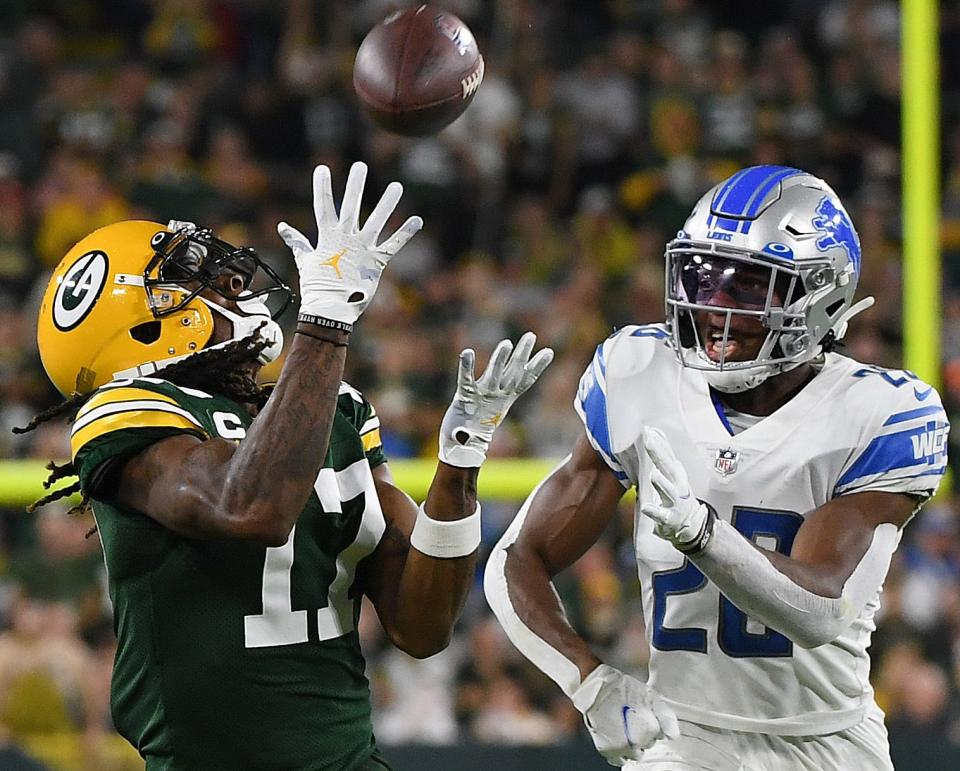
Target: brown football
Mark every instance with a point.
(417, 70)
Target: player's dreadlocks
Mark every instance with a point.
(217, 370)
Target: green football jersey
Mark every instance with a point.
(232, 655)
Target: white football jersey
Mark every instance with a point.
(853, 428)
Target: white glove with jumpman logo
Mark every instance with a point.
(479, 406)
(338, 276)
(623, 715)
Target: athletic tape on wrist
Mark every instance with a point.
(446, 540)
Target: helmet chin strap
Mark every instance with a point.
(840, 328)
(258, 321)
(254, 319)
(148, 367)
(734, 381)
(738, 380)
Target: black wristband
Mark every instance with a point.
(699, 543)
(335, 337)
(323, 321)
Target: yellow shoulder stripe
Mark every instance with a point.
(123, 394)
(371, 439)
(129, 419)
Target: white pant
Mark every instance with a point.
(864, 747)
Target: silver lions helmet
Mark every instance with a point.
(771, 243)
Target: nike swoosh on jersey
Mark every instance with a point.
(921, 396)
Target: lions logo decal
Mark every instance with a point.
(837, 230)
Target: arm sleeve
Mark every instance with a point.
(548, 659)
(810, 620)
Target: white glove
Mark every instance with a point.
(623, 715)
(479, 406)
(339, 275)
(680, 517)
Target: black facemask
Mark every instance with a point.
(195, 259)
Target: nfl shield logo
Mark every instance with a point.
(725, 462)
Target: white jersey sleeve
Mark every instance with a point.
(612, 417)
(903, 444)
(591, 405)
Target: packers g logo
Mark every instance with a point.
(79, 289)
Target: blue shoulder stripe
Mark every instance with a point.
(592, 400)
(902, 417)
(600, 359)
(923, 446)
(594, 405)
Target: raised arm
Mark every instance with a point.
(419, 576)
(256, 489)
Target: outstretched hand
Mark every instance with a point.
(480, 405)
(339, 276)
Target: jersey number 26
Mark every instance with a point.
(771, 529)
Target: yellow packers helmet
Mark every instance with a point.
(126, 300)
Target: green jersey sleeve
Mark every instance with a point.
(362, 415)
(120, 420)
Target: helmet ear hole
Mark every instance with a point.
(834, 308)
(146, 333)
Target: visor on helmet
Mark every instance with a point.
(729, 282)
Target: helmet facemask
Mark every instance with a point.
(730, 283)
(191, 260)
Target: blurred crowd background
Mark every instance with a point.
(547, 207)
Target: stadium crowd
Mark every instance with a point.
(547, 206)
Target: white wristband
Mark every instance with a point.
(446, 540)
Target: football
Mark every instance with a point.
(417, 70)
